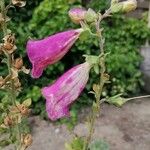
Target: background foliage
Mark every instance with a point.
(124, 36)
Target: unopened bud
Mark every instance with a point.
(27, 140)
(77, 14)
(91, 15)
(129, 5)
(115, 8)
(125, 6)
(19, 3)
(18, 63)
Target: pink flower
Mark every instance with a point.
(47, 51)
(77, 14)
(65, 91)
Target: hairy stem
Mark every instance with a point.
(12, 92)
(101, 80)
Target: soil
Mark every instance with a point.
(126, 128)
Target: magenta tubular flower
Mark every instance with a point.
(47, 51)
(65, 91)
(77, 14)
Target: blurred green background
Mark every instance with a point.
(124, 37)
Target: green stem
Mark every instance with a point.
(12, 92)
(101, 81)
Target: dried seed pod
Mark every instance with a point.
(19, 3)
(13, 109)
(9, 43)
(1, 18)
(17, 83)
(18, 63)
(23, 110)
(27, 140)
(8, 121)
(1, 81)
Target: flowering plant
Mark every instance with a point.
(62, 93)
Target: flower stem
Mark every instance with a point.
(101, 81)
(12, 91)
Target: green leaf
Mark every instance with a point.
(97, 69)
(76, 144)
(99, 145)
(91, 15)
(91, 59)
(27, 102)
(117, 100)
(84, 35)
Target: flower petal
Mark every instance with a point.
(65, 91)
(47, 51)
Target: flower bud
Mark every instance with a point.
(27, 140)
(129, 5)
(18, 63)
(90, 15)
(115, 8)
(19, 3)
(77, 14)
(125, 6)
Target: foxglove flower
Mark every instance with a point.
(47, 51)
(65, 91)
